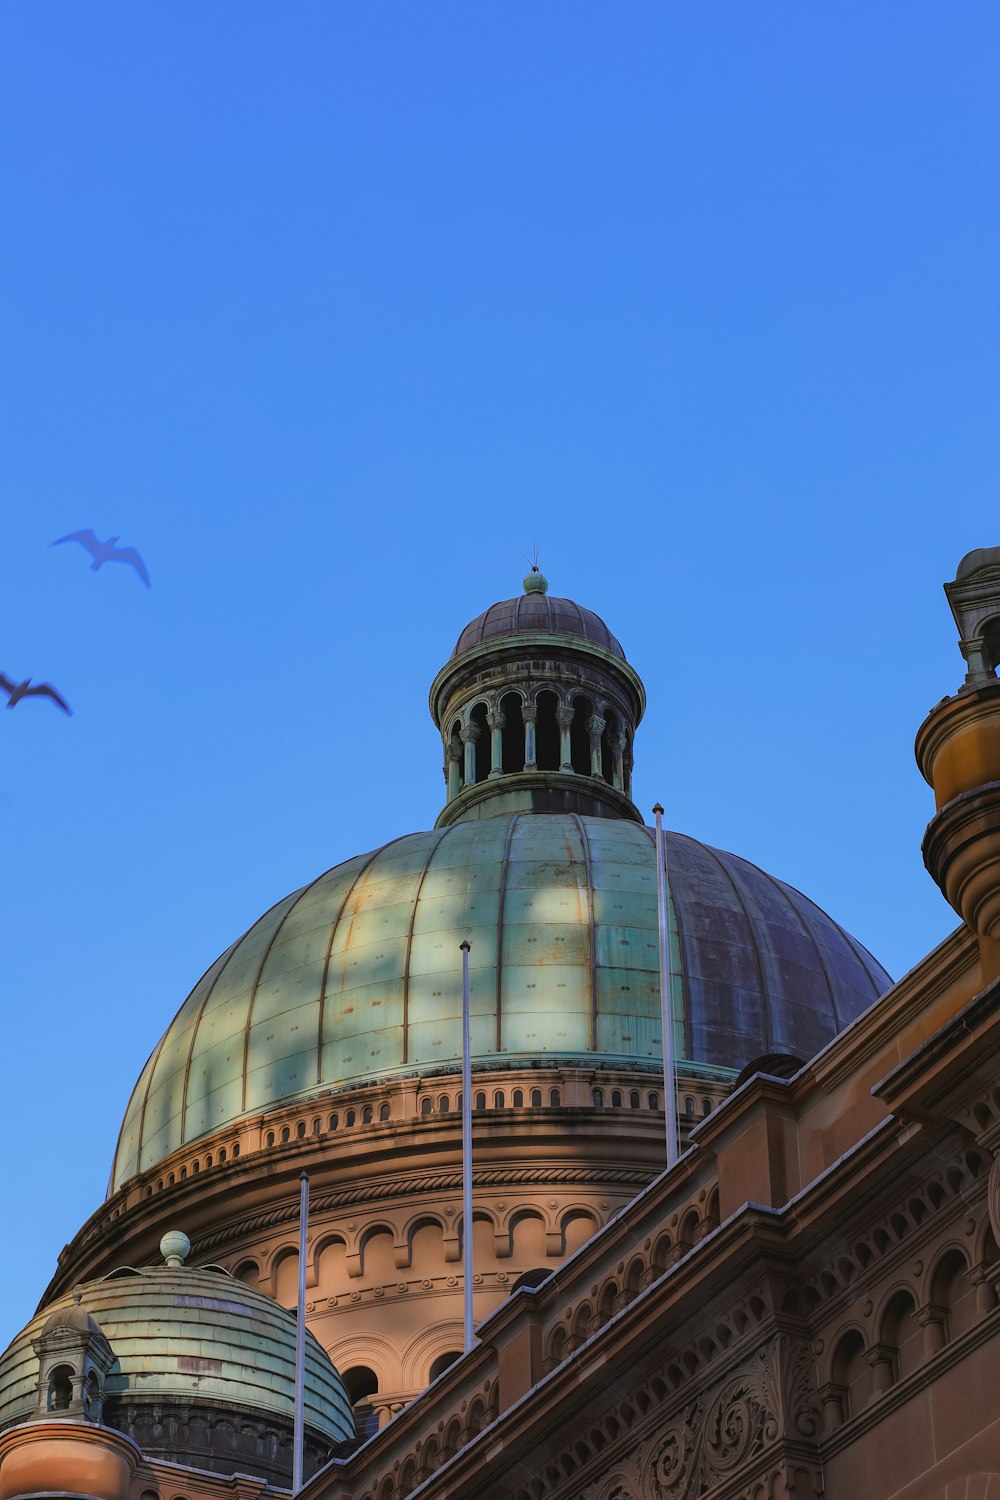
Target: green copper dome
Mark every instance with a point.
(357, 976)
(181, 1335)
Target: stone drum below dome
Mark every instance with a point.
(357, 977)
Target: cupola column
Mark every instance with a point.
(595, 728)
(454, 767)
(564, 718)
(470, 734)
(529, 713)
(496, 721)
(617, 768)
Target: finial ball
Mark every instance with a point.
(536, 582)
(175, 1247)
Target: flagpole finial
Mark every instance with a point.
(303, 1176)
(658, 807)
(465, 946)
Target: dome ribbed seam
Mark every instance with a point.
(765, 991)
(351, 888)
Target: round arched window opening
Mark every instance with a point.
(60, 1388)
(442, 1362)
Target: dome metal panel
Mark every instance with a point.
(537, 614)
(357, 976)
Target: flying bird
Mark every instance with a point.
(17, 690)
(103, 552)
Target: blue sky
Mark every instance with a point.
(334, 311)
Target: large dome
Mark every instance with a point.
(357, 976)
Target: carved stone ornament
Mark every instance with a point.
(718, 1436)
(993, 1196)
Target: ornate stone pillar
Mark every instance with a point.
(834, 1399)
(881, 1360)
(454, 767)
(617, 768)
(530, 714)
(496, 721)
(470, 734)
(564, 718)
(595, 728)
(932, 1320)
(983, 1279)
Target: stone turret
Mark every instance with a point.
(74, 1359)
(958, 752)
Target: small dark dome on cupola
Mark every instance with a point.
(536, 612)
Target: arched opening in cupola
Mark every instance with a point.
(512, 734)
(547, 733)
(482, 745)
(608, 736)
(455, 752)
(579, 736)
(60, 1388)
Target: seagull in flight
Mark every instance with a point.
(103, 552)
(17, 690)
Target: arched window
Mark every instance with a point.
(536, 1098)
(547, 733)
(512, 734)
(706, 1106)
(361, 1384)
(952, 1291)
(480, 1100)
(60, 1388)
(902, 1333)
(426, 1105)
(498, 1099)
(350, 1117)
(579, 736)
(688, 1102)
(286, 1134)
(383, 1111)
(367, 1115)
(300, 1131)
(654, 1101)
(334, 1121)
(517, 1099)
(555, 1098)
(598, 1098)
(443, 1104)
(850, 1371)
(616, 1098)
(478, 719)
(634, 1099)
(442, 1362)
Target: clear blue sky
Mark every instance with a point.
(334, 310)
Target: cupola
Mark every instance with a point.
(537, 709)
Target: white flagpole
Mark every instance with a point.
(466, 1148)
(298, 1443)
(666, 1006)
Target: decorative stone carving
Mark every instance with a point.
(723, 1432)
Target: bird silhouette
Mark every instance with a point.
(103, 552)
(17, 690)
